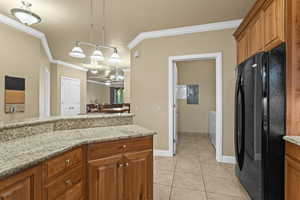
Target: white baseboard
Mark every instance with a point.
(228, 159)
(163, 153)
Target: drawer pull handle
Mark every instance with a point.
(68, 182)
(126, 164)
(68, 161)
(120, 165)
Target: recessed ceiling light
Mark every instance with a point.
(24, 15)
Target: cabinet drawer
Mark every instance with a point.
(139, 144)
(58, 188)
(106, 149)
(63, 162)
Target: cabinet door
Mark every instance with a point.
(292, 179)
(106, 178)
(18, 191)
(242, 47)
(138, 176)
(273, 23)
(23, 186)
(256, 35)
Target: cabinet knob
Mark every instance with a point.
(69, 182)
(120, 165)
(124, 146)
(126, 164)
(68, 161)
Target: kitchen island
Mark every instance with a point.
(61, 158)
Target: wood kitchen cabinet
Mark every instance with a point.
(115, 170)
(261, 30)
(138, 175)
(126, 175)
(242, 47)
(106, 178)
(292, 172)
(23, 186)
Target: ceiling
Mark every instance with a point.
(66, 21)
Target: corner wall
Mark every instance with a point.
(149, 74)
(20, 56)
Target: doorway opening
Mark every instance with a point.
(173, 86)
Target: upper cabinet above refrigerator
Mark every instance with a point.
(261, 30)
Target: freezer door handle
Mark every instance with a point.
(240, 123)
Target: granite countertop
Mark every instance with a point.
(19, 154)
(32, 121)
(293, 139)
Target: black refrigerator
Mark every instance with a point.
(260, 124)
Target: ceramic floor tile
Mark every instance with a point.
(215, 170)
(186, 165)
(163, 177)
(167, 164)
(211, 196)
(225, 186)
(194, 174)
(161, 192)
(190, 181)
(185, 194)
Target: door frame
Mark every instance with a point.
(219, 98)
(62, 78)
(45, 92)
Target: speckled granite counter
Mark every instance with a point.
(36, 121)
(24, 152)
(292, 139)
(18, 129)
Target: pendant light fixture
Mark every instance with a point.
(77, 52)
(24, 15)
(115, 58)
(97, 54)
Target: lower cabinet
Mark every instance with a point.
(138, 176)
(292, 172)
(118, 170)
(105, 178)
(24, 186)
(125, 176)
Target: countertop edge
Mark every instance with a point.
(292, 139)
(36, 121)
(12, 171)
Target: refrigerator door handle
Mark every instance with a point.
(240, 148)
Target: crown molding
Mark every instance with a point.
(35, 33)
(184, 30)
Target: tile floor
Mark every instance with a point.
(194, 174)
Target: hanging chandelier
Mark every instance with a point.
(24, 15)
(97, 55)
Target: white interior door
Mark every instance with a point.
(70, 96)
(175, 109)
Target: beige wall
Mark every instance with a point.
(21, 56)
(193, 118)
(149, 74)
(97, 93)
(57, 71)
(127, 85)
